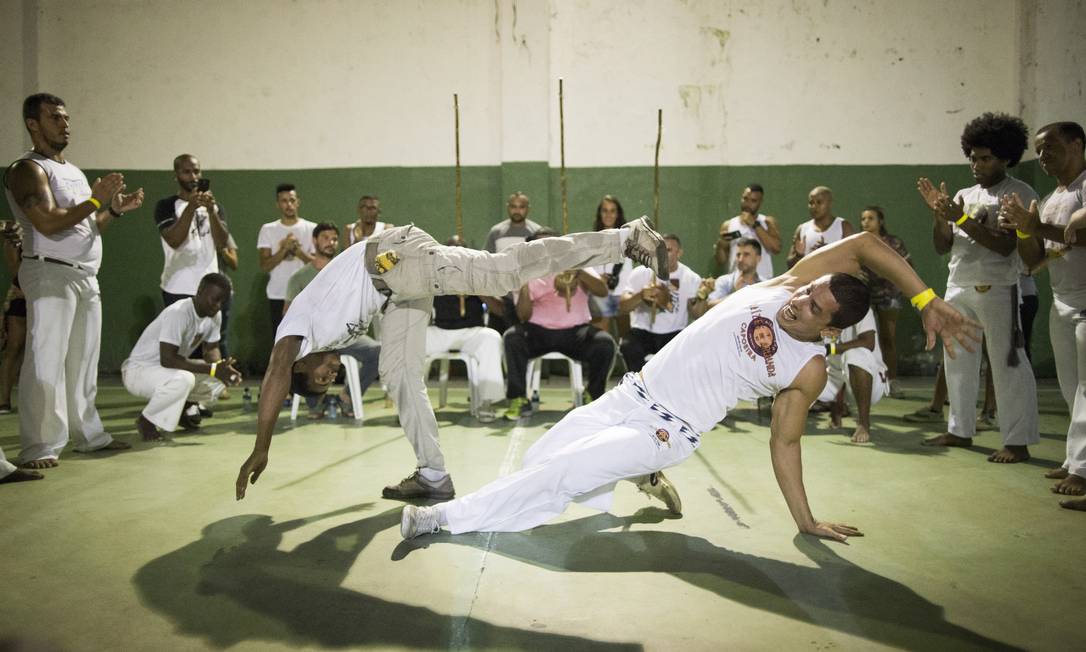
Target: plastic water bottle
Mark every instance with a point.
(247, 400)
(333, 407)
(535, 400)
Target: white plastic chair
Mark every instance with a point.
(576, 375)
(350, 370)
(445, 357)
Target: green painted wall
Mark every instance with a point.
(694, 200)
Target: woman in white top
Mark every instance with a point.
(369, 209)
(609, 215)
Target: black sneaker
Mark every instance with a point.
(416, 486)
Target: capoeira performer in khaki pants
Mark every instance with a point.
(1046, 235)
(159, 367)
(763, 340)
(407, 268)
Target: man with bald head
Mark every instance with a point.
(822, 229)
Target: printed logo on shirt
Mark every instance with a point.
(758, 338)
(662, 437)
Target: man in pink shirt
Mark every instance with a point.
(554, 316)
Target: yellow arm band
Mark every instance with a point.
(1022, 235)
(97, 204)
(214, 365)
(961, 220)
(921, 300)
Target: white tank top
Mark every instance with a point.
(765, 265)
(812, 238)
(81, 243)
(734, 352)
(377, 228)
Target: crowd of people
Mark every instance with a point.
(616, 295)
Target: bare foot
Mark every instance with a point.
(1078, 504)
(1009, 455)
(21, 475)
(148, 430)
(835, 421)
(861, 436)
(1056, 474)
(43, 463)
(948, 440)
(1072, 485)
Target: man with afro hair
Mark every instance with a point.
(983, 285)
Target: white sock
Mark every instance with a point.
(432, 475)
(441, 518)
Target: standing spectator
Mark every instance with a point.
(516, 228)
(193, 229)
(13, 328)
(11, 473)
(886, 299)
(658, 311)
(62, 218)
(609, 215)
(750, 224)
(822, 229)
(228, 260)
(747, 256)
(983, 285)
(1027, 309)
(285, 245)
(367, 225)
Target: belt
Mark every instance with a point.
(56, 261)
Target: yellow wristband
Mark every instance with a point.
(213, 366)
(961, 220)
(1022, 235)
(97, 204)
(921, 300)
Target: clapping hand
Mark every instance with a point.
(1014, 215)
(939, 201)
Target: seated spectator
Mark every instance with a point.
(466, 332)
(856, 360)
(747, 258)
(609, 215)
(366, 350)
(159, 367)
(554, 316)
(658, 312)
(13, 326)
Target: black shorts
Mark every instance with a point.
(16, 308)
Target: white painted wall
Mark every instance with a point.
(344, 83)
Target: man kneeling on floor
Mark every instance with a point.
(159, 367)
(855, 360)
(764, 340)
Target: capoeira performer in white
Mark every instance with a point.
(855, 361)
(159, 367)
(764, 340)
(406, 268)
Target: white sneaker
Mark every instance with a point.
(416, 521)
(486, 413)
(659, 487)
(644, 245)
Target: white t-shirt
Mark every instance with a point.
(335, 309)
(735, 351)
(868, 323)
(180, 325)
(270, 235)
(725, 285)
(183, 267)
(81, 243)
(813, 239)
(1067, 265)
(765, 265)
(683, 283)
(974, 264)
(378, 227)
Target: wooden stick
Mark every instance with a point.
(656, 169)
(459, 208)
(562, 178)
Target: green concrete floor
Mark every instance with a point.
(148, 550)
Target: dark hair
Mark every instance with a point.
(750, 242)
(181, 157)
(299, 383)
(620, 219)
(284, 187)
(853, 300)
(1067, 130)
(755, 187)
(322, 227)
(365, 197)
(1006, 135)
(545, 232)
(220, 281)
(672, 236)
(32, 105)
(877, 210)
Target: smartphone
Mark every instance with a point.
(732, 235)
(203, 185)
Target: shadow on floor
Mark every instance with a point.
(235, 585)
(836, 594)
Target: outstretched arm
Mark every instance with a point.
(789, 419)
(273, 390)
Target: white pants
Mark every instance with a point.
(6, 467)
(837, 375)
(1067, 330)
(482, 344)
(59, 379)
(621, 435)
(168, 390)
(427, 269)
(1015, 387)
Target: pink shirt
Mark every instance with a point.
(549, 307)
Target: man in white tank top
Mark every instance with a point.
(855, 362)
(367, 224)
(62, 217)
(764, 340)
(749, 223)
(822, 229)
